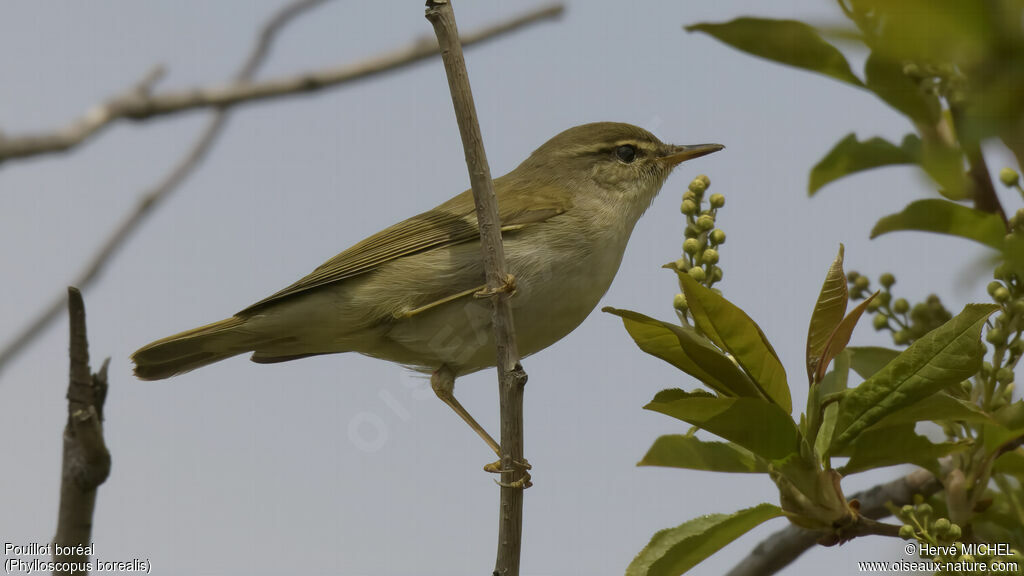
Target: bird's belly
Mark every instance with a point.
(555, 291)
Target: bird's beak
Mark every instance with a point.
(678, 154)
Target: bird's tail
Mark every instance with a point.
(192, 349)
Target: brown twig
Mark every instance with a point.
(86, 460)
(784, 546)
(150, 199)
(511, 377)
(139, 105)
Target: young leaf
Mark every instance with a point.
(877, 448)
(681, 451)
(733, 331)
(841, 335)
(867, 360)
(784, 41)
(944, 217)
(834, 381)
(944, 356)
(850, 156)
(682, 347)
(673, 551)
(828, 313)
(755, 424)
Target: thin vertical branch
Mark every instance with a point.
(511, 377)
(86, 460)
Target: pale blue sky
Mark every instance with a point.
(249, 469)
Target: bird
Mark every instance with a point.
(408, 294)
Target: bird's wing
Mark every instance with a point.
(451, 223)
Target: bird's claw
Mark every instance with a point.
(509, 286)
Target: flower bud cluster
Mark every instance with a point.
(906, 322)
(700, 257)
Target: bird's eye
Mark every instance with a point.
(626, 153)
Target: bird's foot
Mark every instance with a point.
(520, 466)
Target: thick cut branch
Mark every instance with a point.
(776, 551)
(86, 460)
(159, 192)
(511, 377)
(139, 105)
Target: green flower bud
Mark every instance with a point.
(906, 511)
(1004, 375)
(1009, 177)
(996, 336)
(688, 208)
(691, 246)
(986, 368)
(689, 195)
(880, 321)
(1001, 272)
(900, 306)
(710, 256)
(1001, 295)
(907, 532)
(887, 280)
(993, 286)
(924, 511)
(691, 231)
(706, 222)
(697, 273)
(679, 302)
(901, 337)
(954, 532)
(1017, 346)
(716, 274)
(874, 305)
(717, 236)
(717, 200)
(852, 276)
(861, 283)
(942, 526)
(884, 298)
(698, 186)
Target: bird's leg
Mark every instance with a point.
(443, 383)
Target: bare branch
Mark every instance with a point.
(511, 377)
(139, 105)
(150, 199)
(86, 460)
(778, 550)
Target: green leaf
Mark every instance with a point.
(842, 334)
(944, 217)
(784, 41)
(884, 76)
(850, 156)
(867, 360)
(877, 448)
(944, 356)
(673, 551)
(755, 424)
(733, 331)
(939, 406)
(828, 313)
(687, 350)
(681, 451)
